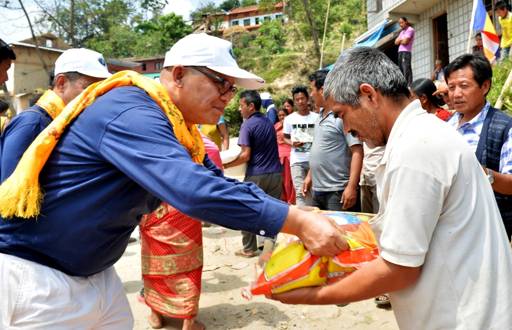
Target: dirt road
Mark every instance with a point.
(222, 307)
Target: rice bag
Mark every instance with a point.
(291, 266)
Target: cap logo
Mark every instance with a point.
(102, 61)
(231, 53)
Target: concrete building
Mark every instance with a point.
(252, 17)
(442, 29)
(240, 19)
(27, 75)
(149, 66)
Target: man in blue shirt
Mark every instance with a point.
(259, 150)
(116, 161)
(487, 130)
(75, 69)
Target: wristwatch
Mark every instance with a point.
(490, 175)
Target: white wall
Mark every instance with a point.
(458, 16)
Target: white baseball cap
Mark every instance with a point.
(201, 49)
(265, 96)
(84, 61)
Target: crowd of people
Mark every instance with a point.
(111, 152)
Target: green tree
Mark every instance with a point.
(271, 38)
(245, 3)
(149, 38)
(78, 21)
(227, 5)
(166, 29)
(198, 16)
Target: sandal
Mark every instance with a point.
(246, 254)
(383, 300)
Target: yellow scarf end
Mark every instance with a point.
(20, 200)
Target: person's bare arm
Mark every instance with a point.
(306, 185)
(223, 130)
(287, 139)
(243, 157)
(349, 196)
(373, 279)
(405, 41)
(502, 183)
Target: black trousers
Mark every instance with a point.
(404, 63)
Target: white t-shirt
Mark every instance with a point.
(438, 211)
(300, 128)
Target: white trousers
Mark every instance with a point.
(33, 296)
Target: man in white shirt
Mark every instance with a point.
(298, 130)
(444, 255)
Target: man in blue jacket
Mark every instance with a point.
(75, 69)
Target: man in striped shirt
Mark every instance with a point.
(486, 129)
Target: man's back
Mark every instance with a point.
(449, 209)
(258, 133)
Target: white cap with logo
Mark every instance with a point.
(201, 49)
(84, 61)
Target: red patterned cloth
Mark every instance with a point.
(172, 262)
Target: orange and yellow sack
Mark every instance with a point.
(291, 266)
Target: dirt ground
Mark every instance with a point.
(222, 306)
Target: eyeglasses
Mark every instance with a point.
(223, 85)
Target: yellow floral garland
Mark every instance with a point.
(51, 103)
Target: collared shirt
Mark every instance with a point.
(18, 136)
(471, 131)
(331, 155)
(117, 161)
(258, 133)
(438, 211)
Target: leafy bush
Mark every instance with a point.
(500, 73)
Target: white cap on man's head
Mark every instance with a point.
(82, 60)
(214, 53)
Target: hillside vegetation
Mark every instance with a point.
(284, 54)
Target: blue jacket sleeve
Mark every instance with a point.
(151, 156)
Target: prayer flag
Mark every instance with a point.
(482, 23)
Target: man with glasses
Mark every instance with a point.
(119, 159)
(74, 70)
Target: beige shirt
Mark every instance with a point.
(438, 211)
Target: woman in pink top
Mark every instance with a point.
(288, 194)
(212, 151)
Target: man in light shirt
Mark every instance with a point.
(444, 256)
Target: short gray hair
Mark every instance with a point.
(364, 65)
(72, 76)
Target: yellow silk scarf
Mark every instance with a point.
(51, 103)
(21, 195)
